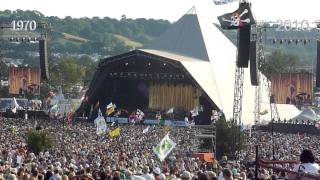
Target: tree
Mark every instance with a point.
(226, 131)
(39, 141)
(279, 62)
(67, 73)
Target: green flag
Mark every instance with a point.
(164, 147)
(162, 122)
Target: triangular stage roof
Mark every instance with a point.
(184, 37)
(210, 58)
(197, 36)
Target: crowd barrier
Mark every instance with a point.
(271, 165)
(148, 122)
(290, 128)
(267, 164)
(21, 114)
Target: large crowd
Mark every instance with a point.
(79, 153)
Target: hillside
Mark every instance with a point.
(101, 36)
(104, 37)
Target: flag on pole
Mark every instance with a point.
(14, 105)
(139, 115)
(14, 110)
(237, 19)
(101, 125)
(170, 111)
(146, 130)
(215, 115)
(194, 112)
(166, 129)
(158, 116)
(165, 146)
(115, 132)
(110, 108)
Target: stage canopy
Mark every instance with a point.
(196, 46)
(307, 114)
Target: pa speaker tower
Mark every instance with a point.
(244, 46)
(253, 64)
(44, 66)
(318, 65)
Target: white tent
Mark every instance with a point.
(307, 114)
(210, 57)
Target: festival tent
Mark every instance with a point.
(211, 46)
(307, 114)
(206, 54)
(286, 111)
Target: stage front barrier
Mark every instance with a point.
(148, 122)
(274, 166)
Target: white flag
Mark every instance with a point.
(170, 111)
(101, 125)
(139, 115)
(14, 110)
(194, 112)
(146, 130)
(165, 146)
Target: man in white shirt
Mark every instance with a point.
(307, 165)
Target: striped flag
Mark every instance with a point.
(110, 108)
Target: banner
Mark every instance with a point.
(24, 80)
(165, 146)
(292, 88)
(117, 119)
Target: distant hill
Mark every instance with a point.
(107, 36)
(102, 36)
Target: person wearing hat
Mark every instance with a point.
(146, 175)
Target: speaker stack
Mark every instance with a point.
(44, 66)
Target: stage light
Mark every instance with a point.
(164, 64)
(274, 41)
(281, 41)
(297, 41)
(126, 64)
(290, 41)
(149, 64)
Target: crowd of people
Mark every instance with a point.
(79, 153)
